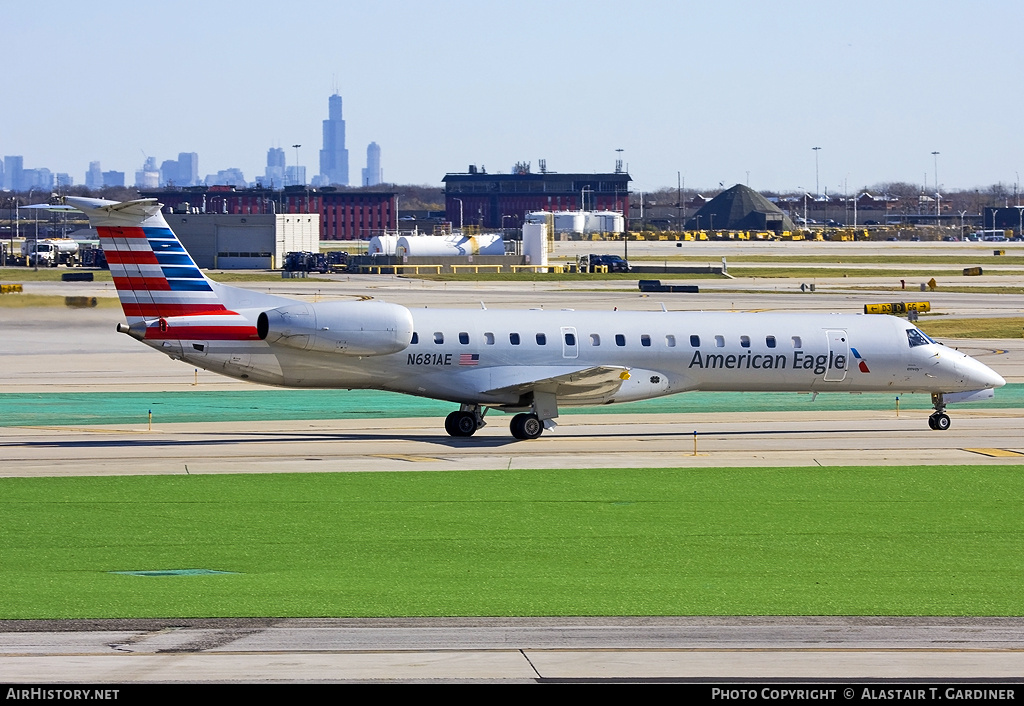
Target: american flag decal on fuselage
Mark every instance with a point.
(157, 280)
(469, 359)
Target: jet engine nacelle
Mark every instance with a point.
(349, 328)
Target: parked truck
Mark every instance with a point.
(50, 252)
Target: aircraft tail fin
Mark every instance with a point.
(154, 275)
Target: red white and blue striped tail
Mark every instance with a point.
(158, 283)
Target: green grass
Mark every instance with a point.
(687, 541)
(985, 257)
(48, 274)
(854, 272)
(1006, 327)
(25, 301)
(913, 292)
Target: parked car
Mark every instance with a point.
(613, 262)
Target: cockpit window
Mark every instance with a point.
(916, 338)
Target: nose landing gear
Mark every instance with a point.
(938, 420)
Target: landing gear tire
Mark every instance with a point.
(526, 426)
(460, 424)
(939, 421)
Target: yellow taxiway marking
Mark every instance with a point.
(995, 452)
(405, 457)
(90, 430)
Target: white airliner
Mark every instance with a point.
(524, 362)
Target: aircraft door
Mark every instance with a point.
(838, 345)
(570, 342)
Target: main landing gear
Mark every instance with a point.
(939, 420)
(464, 422)
(526, 426)
(543, 408)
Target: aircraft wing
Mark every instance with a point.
(595, 381)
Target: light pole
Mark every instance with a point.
(460, 211)
(935, 156)
(583, 197)
(817, 188)
(297, 163)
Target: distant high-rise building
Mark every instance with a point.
(149, 176)
(13, 167)
(169, 173)
(113, 178)
(373, 174)
(64, 180)
(2, 184)
(273, 177)
(294, 176)
(231, 176)
(188, 168)
(41, 178)
(334, 156)
(94, 177)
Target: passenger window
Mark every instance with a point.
(570, 339)
(797, 343)
(645, 340)
(695, 341)
(670, 341)
(542, 340)
(463, 337)
(620, 340)
(513, 338)
(745, 341)
(489, 339)
(720, 341)
(438, 337)
(595, 340)
(415, 338)
(770, 341)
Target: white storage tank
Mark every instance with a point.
(605, 222)
(569, 221)
(382, 245)
(449, 245)
(535, 246)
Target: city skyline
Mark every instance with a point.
(730, 93)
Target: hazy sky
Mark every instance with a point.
(713, 90)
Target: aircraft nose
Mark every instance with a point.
(978, 374)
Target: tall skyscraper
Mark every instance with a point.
(149, 176)
(13, 167)
(334, 156)
(188, 168)
(373, 174)
(273, 177)
(94, 177)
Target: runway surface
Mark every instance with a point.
(57, 350)
(516, 650)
